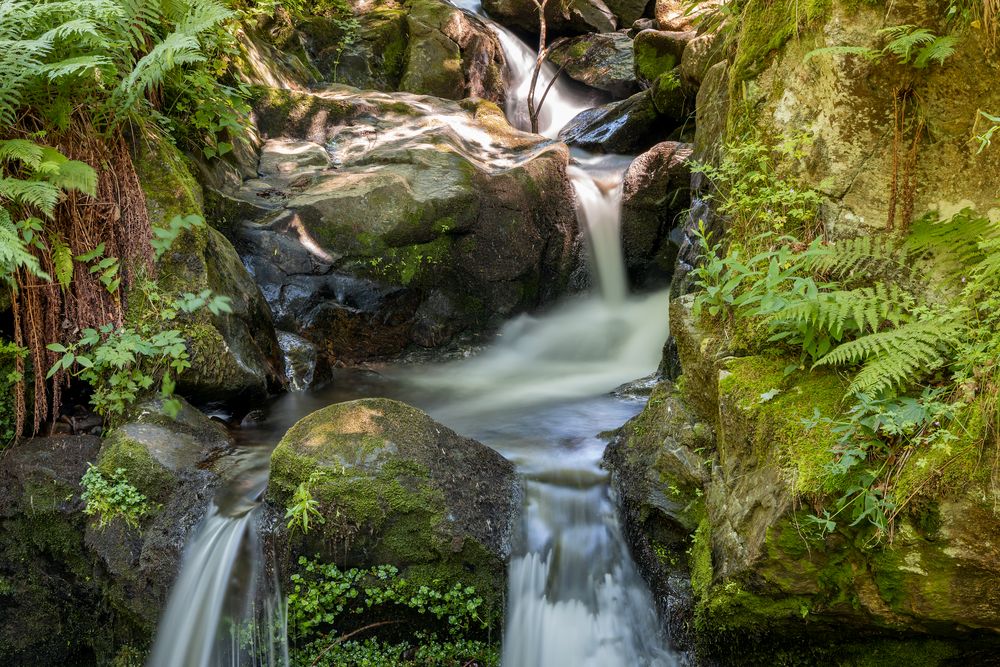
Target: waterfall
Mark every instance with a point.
(223, 608)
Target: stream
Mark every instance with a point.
(539, 395)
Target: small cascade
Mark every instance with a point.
(223, 609)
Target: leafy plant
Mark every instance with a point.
(871, 438)
(910, 44)
(122, 363)
(326, 602)
(986, 138)
(115, 497)
(304, 507)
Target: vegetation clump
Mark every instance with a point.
(112, 497)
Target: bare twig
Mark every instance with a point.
(344, 638)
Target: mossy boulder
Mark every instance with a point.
(408, 241)
(168, 460)
(655, 197)
(395, 487)
(602, 60)
(234, 355)
(658, 52)
(452, 54)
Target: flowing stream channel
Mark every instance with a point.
(540, 396)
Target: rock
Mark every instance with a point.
(452, 54)
(682, 16)
(655, 197)
(657, 52)
(659, 463)
(603, 61)
(398, 488)
(627, 11)
(300, 360)
(573, 17)
(414, 237)
(712, 113)
(375, 60)
(165, 459)
(233, 355)
(700, 54)
(262, 64)
(618, 127)
(72, 592)
(640, 25)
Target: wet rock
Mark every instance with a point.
(655, 198)
(71, 591)
(603, 61)
(398, 488)
(439, 218)
(452, 54)
(300, 360)
(376, 59)
(681, 16)
(572, 17)
(618, 127)
(657, 52)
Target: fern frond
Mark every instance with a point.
(202, 15)
(13, 253)
(27, 152)
(76, 175)
(862, 256)
(74, 66)
(937, 51)
(865, 309)
(175, 50)
(898, 356)
(37, 194)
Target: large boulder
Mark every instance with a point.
(395, 487)
(74, 590)
(234, 355)
(429, 219)
(573, 17)
(452, 54)
(655, 197)
(603, 61)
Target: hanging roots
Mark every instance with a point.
(902, 195)
(46, 312)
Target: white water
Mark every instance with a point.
(223, 610)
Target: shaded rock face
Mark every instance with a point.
(401, 489)
(603, 61)
(658, 470)
(573, 17)
(406, 235)
(631, 125)
(719, 477)
(80, 593)
(233, 355)
(655, 197)
(657, 52)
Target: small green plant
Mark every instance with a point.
(304, 508)
(910, 44)
(115, 497)
(986, 138)
(330, 609)
(870, 439)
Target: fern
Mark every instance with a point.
(859, 257)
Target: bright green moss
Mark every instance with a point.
(700, 562)
(766, 412)
(144, 472)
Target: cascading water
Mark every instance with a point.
(223, 610)
(539, 397)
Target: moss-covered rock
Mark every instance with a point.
(572, 17)
(233, 354)
(452, 54)
(408, 241)
(658, 52)
(602, 60)
(395, 487)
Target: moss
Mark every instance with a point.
(700, 561)
(142, 471)
(763, 27)
(765, 413)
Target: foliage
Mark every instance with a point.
(303, 506)
(755, 197)
(111, 498)
(910, 44)
(10, 353)
(872, 439)
(121, 363)
(985, 139)
(326, 601)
